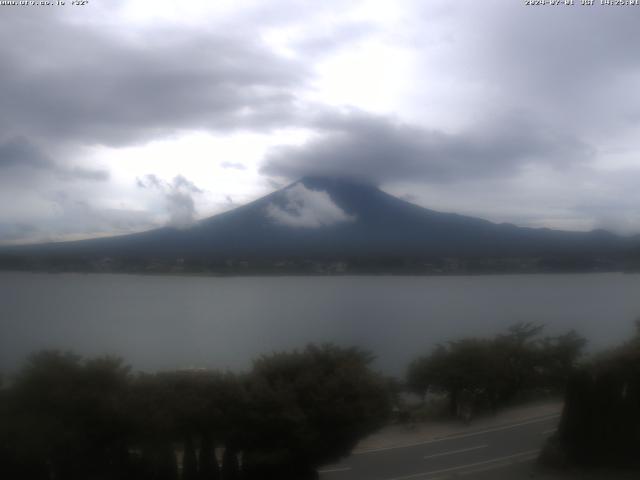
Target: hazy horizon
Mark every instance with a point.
(296, 218)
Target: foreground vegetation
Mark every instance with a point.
(64, 417)
(68, 418)
(600, 425)
(484, 374)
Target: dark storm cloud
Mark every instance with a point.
(381, 149)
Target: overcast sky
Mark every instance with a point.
(122, 116)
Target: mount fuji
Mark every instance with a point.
(337, 218)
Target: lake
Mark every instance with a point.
(168, 322)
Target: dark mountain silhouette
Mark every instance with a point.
(339, 218)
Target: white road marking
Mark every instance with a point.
(547, 432)
(453, 452)
(458, 436)
(469, 465)
(495, 466)
(334, 470)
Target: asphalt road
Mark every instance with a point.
(505, 451)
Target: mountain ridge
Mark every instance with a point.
(334, 218)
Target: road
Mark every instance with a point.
(497, 452)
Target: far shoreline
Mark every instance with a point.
(319, 275)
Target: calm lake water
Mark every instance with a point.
(167, 322)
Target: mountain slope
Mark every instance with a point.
(332, 218)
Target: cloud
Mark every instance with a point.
(81, 173)
(306, 208)
(65, 217)
(382, 149)
(482, 98)
(612, 204)
(182, 210)
(233, 165)
(181, 183)
(20, 157)
(75, 215)
(92, 86)
(566, 65)
(19, 152)
(17, 232)
(105, 79)
(274, 184)
(178, 198)
(331, 39)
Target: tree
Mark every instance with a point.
(189, 461)
(207, 462)
(490, 372)
(230, 468)
(559, 357)
(600, 424)
(65, 417)
(310, 408)
(419, 376)
(69, 417)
